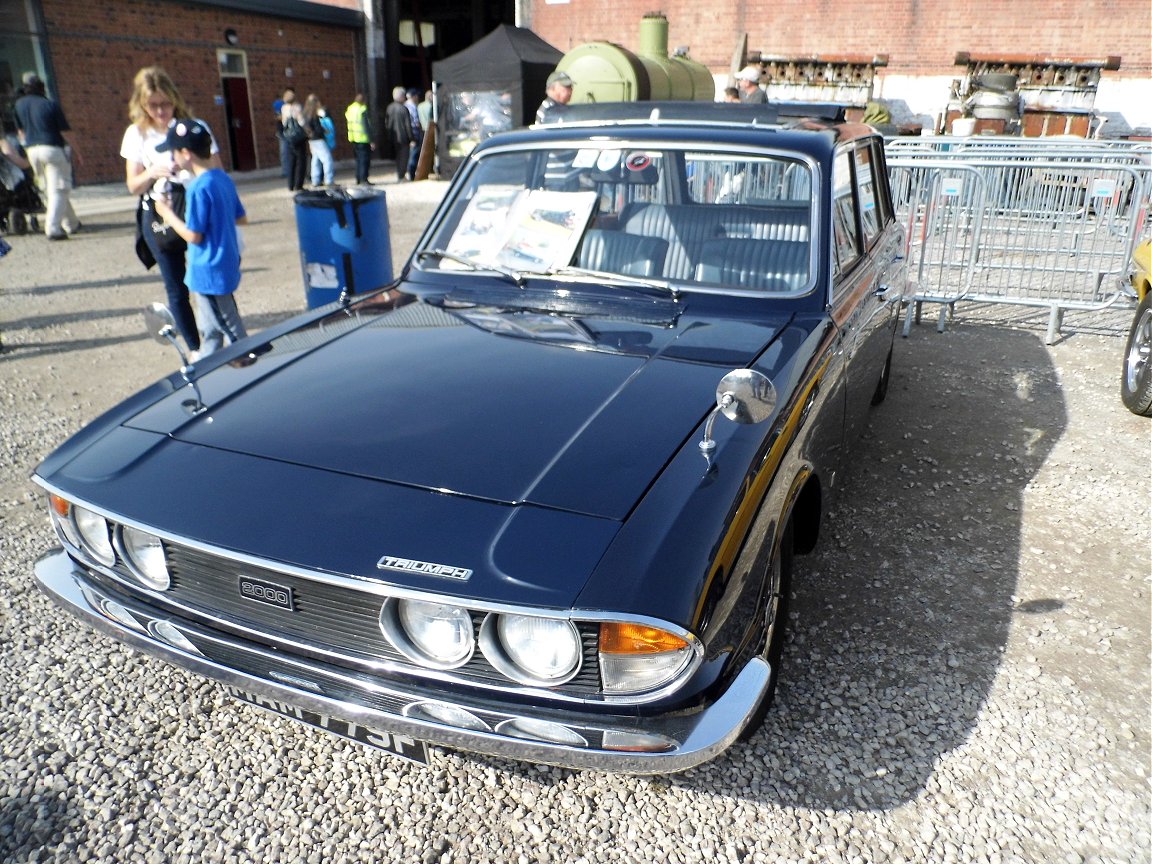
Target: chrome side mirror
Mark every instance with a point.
(743, 396)
(161, 326)
(159, 322)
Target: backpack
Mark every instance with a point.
(329, 131)
(294, 133)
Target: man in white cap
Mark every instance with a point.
(748, 80)
(559, 90)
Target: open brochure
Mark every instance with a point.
(524, 229)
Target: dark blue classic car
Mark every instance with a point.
(540, 497)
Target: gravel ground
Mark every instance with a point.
(967, 679)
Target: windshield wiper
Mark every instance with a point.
(443, 254)
(658, 286)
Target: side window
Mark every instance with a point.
(883, 189)
(844, 222)
(870, 217)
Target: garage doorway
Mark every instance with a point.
(237, 108)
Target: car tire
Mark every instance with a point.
(778, 590)
(1136, 377)
(882, 384)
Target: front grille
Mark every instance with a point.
(328, 619)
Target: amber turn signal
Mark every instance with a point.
(628, 638)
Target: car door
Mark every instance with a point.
(866, 288)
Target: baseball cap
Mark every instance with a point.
(31, 78)
(558, 77)
(186, 135)
(748, 73)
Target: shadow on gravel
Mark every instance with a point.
(27, 825)
(901, 615)
(43, 348)
(39, 290)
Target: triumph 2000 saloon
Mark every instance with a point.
(538, 498)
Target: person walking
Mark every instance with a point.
(285, 148)
(360, 136)
(399, 124)
(150, 174)
(412, 104)
(212, 212)
(322, 168)
(292, 124)
(44, 131)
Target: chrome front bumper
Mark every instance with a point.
(695, 737)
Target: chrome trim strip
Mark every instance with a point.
(701, 736)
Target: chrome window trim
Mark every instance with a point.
(815, 224)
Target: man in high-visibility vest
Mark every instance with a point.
(360, 135)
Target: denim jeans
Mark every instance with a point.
(414, 157)
(172, 267)
(218, 319)
(322, 166)
(363, 160)
(285, 155)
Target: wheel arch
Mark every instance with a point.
(806, 511)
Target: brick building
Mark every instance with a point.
(920, 38)
(231, 60)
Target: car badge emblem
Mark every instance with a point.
(407, 565)
(268, 593)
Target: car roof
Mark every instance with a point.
(812, 128)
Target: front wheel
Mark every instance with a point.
(1136, 379)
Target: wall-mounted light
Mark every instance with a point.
(287, 71)
(231, 37)
(327, 74)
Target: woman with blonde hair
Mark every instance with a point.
(322, 167)
(154, 104)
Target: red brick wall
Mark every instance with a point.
(97, 48)
(921, 37)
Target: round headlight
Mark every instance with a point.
(532, 650)
(145, 554)
(95, 534)
(432, 634)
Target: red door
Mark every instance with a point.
(239, 113)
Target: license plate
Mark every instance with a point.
(398, 745)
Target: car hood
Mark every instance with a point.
(416, 395)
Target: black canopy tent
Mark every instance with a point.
(494, 85)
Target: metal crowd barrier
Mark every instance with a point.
(1031, 222)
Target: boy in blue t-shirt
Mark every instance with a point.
(212, 210)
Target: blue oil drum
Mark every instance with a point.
(345, 246)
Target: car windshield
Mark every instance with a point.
(697, 220)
